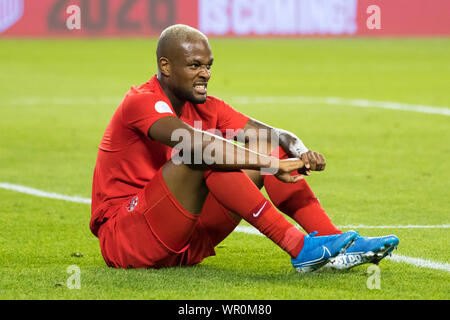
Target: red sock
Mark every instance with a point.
(236, 192)
(299, 202)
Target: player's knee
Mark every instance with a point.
(186, 184)
(256, 177)
(183, 173)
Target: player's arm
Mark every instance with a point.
(217, 152)
(290, 143)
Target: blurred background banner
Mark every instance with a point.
(136, 18)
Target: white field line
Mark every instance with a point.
(420, 262)
(417, 262)
(31, 101)
(245, 229)
(285, 100)
(362, 103)
(43, 194)
(407, 226)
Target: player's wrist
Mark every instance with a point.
(291, 143)
(298, 148)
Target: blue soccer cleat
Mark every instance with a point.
(317, 251)
(364, 250)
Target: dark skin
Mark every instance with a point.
(189, 65)
(184, 69)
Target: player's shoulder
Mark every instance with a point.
(136, 96)
(145, 95)
(146, 91)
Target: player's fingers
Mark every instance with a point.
(288, 178)
(318, 161)
(304, 171)
(291, 178)
(306, 160)
(323, 163)
(296, 178)
(313, 160)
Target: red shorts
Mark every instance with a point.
(139, 233)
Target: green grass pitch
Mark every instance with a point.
(385, 167)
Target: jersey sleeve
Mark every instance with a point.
(229, 118)
(141, 111)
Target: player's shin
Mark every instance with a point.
(299, 202)
(235, 191)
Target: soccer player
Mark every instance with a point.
(168, 187)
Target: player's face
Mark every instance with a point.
(191, 71)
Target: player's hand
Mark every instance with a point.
(286, 166)
(313, 161)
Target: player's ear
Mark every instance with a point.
(164, 66)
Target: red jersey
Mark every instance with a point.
(127, 158)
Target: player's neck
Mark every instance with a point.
(177, 104)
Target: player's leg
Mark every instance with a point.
(256, 177)
(187, 186)
(153, 228)
(186, 192)
(160, 227)
(214, 225)
(175, 200)
(236, 192)
(149, 230)
(125, 242)
(298, 201)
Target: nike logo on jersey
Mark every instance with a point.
(260, 210)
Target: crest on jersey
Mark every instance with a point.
(162, 107)
(10, 12)
(132, 204)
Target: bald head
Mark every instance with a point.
(184, 64)
(174, 37)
